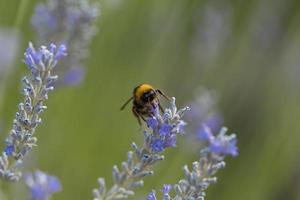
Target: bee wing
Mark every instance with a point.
(125, 104)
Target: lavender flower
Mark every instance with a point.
(41, 185)
(221, 144)
(156, 139)
(151, 196)
(74, 76)
(70, 22)
(204, 110)
(196, 181)
(21, 139)
(165, 192)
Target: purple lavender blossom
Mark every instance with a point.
(21, 139)
(170, 140)
(224, 146)
(221, 144)
(158, 145)
(152, 122)
(74, 76)
(164, 132)
(196, 181)
(165, 129)
(44, 21)
(205, 133)
(41, 185)
(70, 22)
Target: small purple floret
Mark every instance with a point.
(61, 52)
(165, 129)
(151, 196)
(170, 141)
(166, 188)
(158, 145)
(9, 149)
(152, 122)
(34, 58)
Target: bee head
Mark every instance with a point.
(148, 96)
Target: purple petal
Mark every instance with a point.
(152, 122)
(165, 129)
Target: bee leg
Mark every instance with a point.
(163, 94)
(160, 108)
(143, 118)
(136, 114)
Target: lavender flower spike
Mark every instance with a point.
(197, 180)
(161, 133)
(36, 87)
(71, 22)
(41, 185)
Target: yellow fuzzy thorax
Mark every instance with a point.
(141, 89)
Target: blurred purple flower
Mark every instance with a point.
(221, 144)
(41, 185)
(44, 21)
(74, 76)
(73, 23)
(205, 133)
(224, 146)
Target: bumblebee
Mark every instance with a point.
(145, 98)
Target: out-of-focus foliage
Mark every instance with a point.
(247, 52)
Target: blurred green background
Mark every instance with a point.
(246, 51)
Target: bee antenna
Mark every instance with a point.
(163, 94)
(125, 104)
